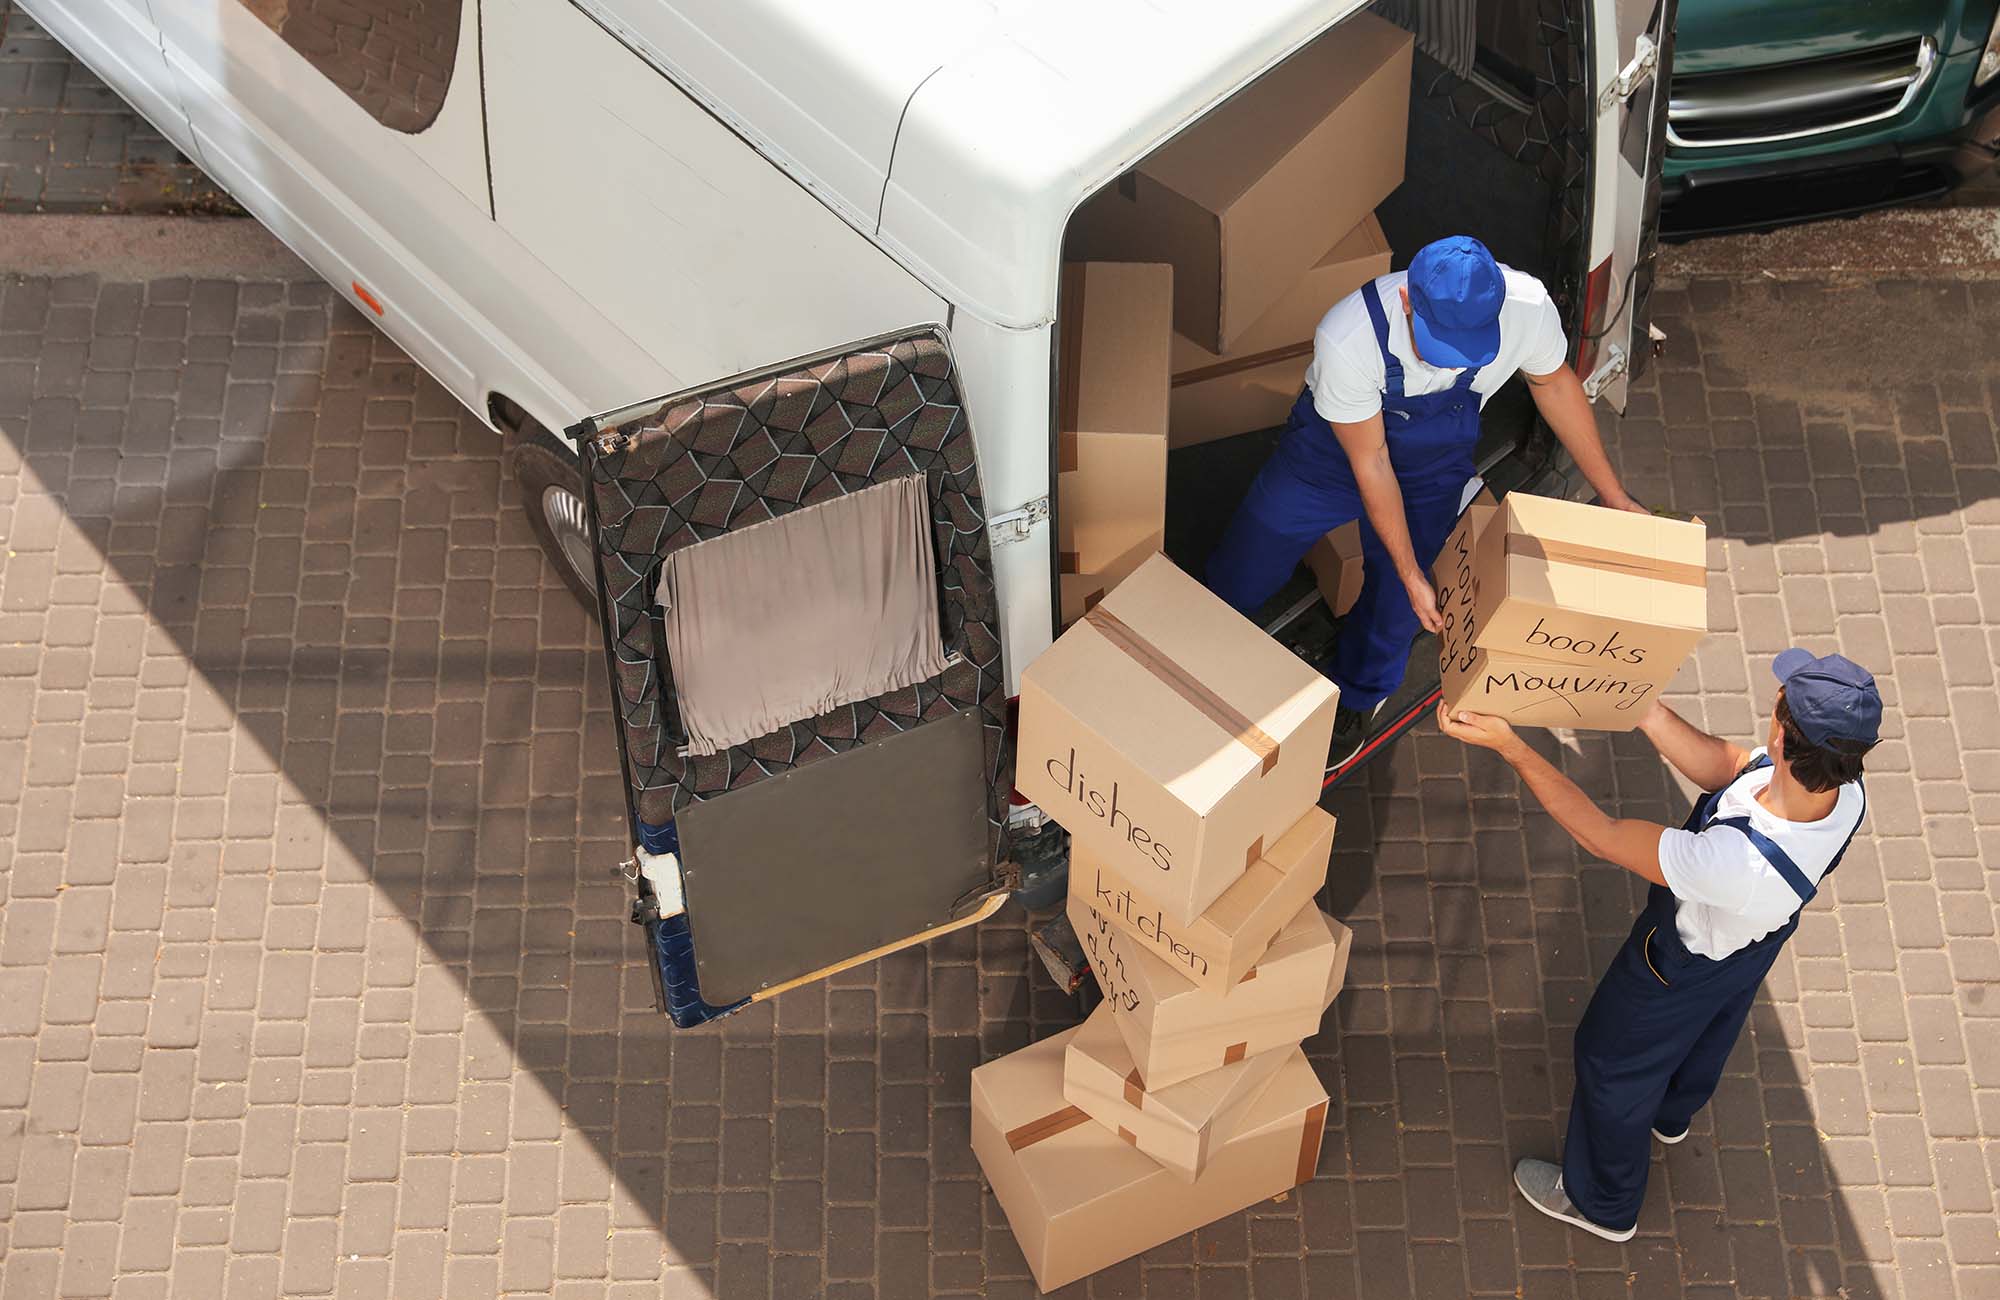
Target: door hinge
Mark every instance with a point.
(1645, 59)
(1017, 525)
(1610, 368)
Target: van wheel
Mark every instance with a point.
(551, 482)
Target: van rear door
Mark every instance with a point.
(1631, 47)
(803, 642)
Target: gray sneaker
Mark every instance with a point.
(1542, 1183)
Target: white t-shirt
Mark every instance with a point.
(1347, 377)
(1729, 896)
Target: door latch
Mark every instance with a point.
(1613, 365)
(1645, 59)
(1017, 525)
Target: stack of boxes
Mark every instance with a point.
(1559, 614)
(1183, 750)
(1200, 278)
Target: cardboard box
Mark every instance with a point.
(1176, 1029)
(1234, 399)
(1590, 587)
(1526, 689)
(1254, 385)
(1176, 1126)
(1081, 591)
(1217, 948)
(1336, 564)
(1079, 1198)
(1111, 439)
(1258, 190)
(1171, 737)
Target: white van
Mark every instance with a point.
(832, 234)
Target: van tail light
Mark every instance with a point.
(1596, 296)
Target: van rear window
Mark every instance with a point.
(392, 57)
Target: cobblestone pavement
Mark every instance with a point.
(313, 979)
(68, 144)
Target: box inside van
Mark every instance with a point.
(1331, 169)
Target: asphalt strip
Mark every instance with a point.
(1961, 243)
(132, 248)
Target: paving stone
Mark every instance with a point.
(559, 1141)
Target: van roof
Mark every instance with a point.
(962, 133)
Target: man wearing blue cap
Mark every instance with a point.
(1727, 891)
(1384, 432)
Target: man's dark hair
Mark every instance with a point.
(1819, 768)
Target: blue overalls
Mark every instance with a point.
(1652, 1043)
(1307, 489)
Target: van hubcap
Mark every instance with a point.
(563, 511)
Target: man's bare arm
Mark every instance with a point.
(1709, 761)
(1367, 448)
(1559, 396)
(1626, 842)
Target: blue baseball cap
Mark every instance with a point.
(1456, 292)
(1830, 698)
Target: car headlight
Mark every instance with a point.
(1989, 58)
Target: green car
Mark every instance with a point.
(1781, 110)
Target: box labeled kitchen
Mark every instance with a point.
(1080, 1198)
(1177, 1125)
(1175, 1029)
(1172, 738)
(1257, 191)
(1217, 948)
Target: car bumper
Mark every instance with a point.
(1707, 194)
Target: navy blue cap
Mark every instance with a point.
(1456, 292)
(1830, 698)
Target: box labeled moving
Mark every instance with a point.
(1217, 948)
(1080, 1198)
(1257, 191)
(1175, 1029)
(1172, 738)
(1176, 1126)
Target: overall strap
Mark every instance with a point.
(1703, 811)
(1859, 818)
(1465, 378)
(1781, 861)
(1392, 369)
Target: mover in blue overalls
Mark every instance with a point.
(1727, 891)
(1384, 432)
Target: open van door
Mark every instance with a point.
(802, 634)
(1631, 49)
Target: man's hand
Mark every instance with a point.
(1423, 601)
(1623, 501)
(1479, 729)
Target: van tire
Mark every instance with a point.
(551, 481)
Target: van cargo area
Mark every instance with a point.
(1332, 168)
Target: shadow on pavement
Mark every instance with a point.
(325, 539)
